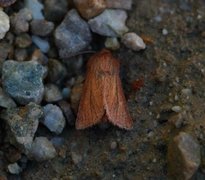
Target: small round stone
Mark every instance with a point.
(133, 41)
(112, 43)
(5, 3)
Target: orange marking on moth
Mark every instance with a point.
(103, 94)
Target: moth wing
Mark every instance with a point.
(115, 104)
(91, 108)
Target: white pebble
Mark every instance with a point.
(42, 44)
(4, 24)
(14, 168)
(165, 32)
(133, 41)
(176, 108)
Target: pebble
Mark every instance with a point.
(22, 124)
(176, 109)
(14, 168)
(23, 40)
(12, 154)
(119, 4)
(58, 142)
(72, 35)
(39, 57)
(55, 10)
(133, 41)
(42, 149)
(183, 156)
(41, 27)
(35, 7)
(4, 24)
(105, 26)
(76, 158)
(56, 71)
(68, 113)
(30, 73)
(112, 43)
(113, 145)
(6, 3)
(20, 21)
(5, 100)
(42, 44)
(52, 93)
(165, 32)
(90, 8)
(53, 118)
(187, 92)
(20, 54)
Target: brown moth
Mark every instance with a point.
(102, 97)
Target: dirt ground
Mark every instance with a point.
(172, 66)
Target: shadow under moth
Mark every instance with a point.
(102, 97)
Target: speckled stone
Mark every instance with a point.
(24, 80)
(72, 35)
(110, 23)
(22, 124)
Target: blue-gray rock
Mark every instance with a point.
(23, 80)
(52, 93)
(42, 149)
(5, 100)
(36, 8)
(72, 35)
(109, 23)
(22, 124)
(53, 118)
(41, 43)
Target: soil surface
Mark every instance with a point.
(161, 82)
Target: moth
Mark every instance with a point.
(102, 97)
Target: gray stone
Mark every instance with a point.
(20, 54)
(20, 21)
(22, 124)
(183, 156)
(55, 10)
(41, 27)
(23, 80)
(4, 24)
(53, 118)
(52, 93)
(119, 4)
(133, 41)
(5, 100)
(14, 168)
(110, 23)
(42, 149)
(72, 35)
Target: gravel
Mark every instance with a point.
(4, 24)
(52, 93)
